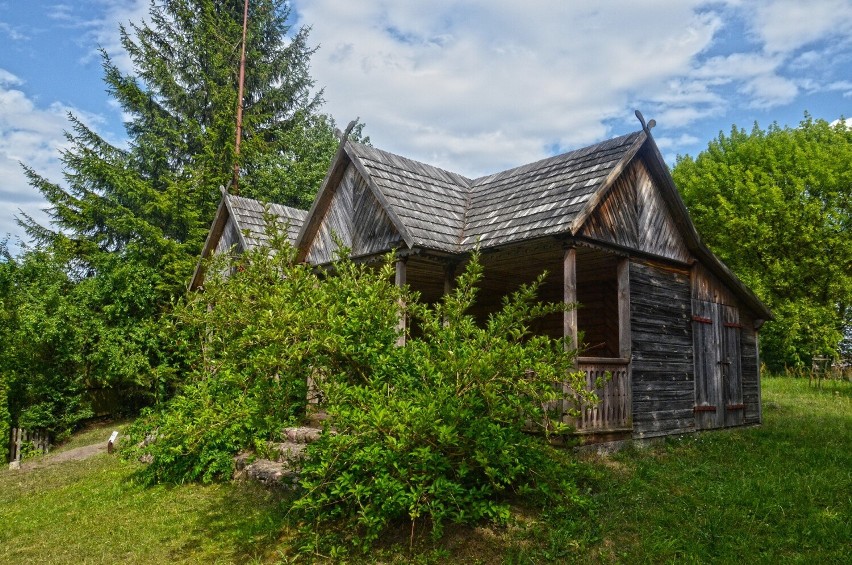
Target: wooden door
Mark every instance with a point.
(718, 365)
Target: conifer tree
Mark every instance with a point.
(152, 201)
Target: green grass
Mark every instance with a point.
(781, 492)
(91, 511)
(778, 493)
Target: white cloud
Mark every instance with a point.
(30, 135)
(783, 26)
(768, 91)
(486, 85)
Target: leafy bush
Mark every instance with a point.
(436, 430)
(433, 431)
(243, 349)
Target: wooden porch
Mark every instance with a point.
(595, 278)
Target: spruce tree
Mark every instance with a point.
(152, 201)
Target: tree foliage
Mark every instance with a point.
(776, 205)
(128, 220)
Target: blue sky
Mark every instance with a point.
(475, 86)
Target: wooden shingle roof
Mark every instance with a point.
(542, 198)
(250, 224)
(429, 201)
(446, 211)
(248, 214)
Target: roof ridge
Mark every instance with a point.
(479, 181)
(467, 180)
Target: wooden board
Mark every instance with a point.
(662, 369)
(634, 215)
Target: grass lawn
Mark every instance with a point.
(778, 493)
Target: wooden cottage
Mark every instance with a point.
(658, 311)
(240, 225)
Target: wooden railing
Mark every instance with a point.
(614, 412)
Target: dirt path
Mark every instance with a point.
(75, 454)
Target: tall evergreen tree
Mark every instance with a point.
(130, 220)
(152, 201)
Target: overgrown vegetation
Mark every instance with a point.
(433, 431)
(776, 493)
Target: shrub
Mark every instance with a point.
(243, 351)
(5, 420)
(436, 430)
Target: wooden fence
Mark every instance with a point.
(38, 439)
(615, 411)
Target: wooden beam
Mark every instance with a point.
(449, 277)
(624, 334)
(400, 281)
(569, 291)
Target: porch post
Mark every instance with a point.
(624, 338)
(569, 287)
(400, 281)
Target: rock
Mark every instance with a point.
(302, 434)
(271, 473)
(289, 451)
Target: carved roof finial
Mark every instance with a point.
(645, 126)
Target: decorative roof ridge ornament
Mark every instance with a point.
(646, 127)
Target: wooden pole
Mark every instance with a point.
(236, 181)
(400, 282)
(569, 277)
(624, 337)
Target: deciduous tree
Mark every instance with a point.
(776, 205)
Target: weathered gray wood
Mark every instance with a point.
(624, 334)
(400, 281)
(614, 411)
(708, 373)
(732, 366)
(569, 296)
(662, 367)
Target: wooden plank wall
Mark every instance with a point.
(356, 219)
(373, 231)
(229, 238)
(707, 287)
(635, 215)
(750, 369)
(662, 362)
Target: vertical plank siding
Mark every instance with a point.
(750, 371)
(229, 238)
(706, 286)
(662, 356)
(634, 215)
(357, 219)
